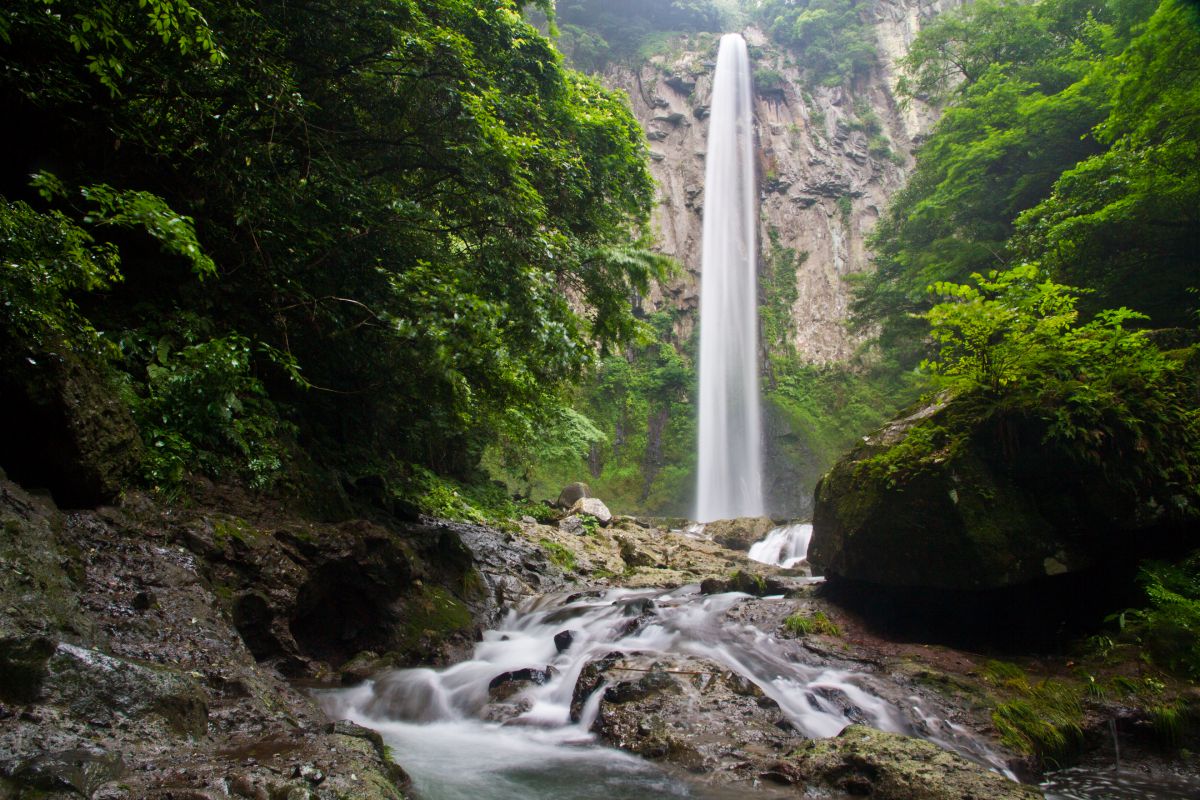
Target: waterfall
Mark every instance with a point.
(730, 460)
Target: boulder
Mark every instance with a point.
(950, 498)
(862, 761)
(67, 430)
(572, 493)
(593, 506)
(740, 533)
(679, 709)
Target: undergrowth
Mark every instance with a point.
(1043, 720)
(801, 624)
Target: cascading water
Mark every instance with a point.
(785, 546)
(527, 745)
(730, 457)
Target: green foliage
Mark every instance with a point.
(1108, 396)
(800, 624)
(204, 410)
(597, 31)
(109, 34)
(1123, 221)
(769, 81)
(828, 38)
(1044, 720)
(45, 261)
(559, 555)
(829, 407)
(1170, 627)
(1069, 141)
(415, 216)
(557, 438)
(778, 292)
(642, 403)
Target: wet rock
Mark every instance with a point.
(670, 118)
(82, 771)
(679, 709)
(743, 581)
(592, 506)
(739, 534)
(979, 503)
(104, 689)
(683, 84)
(364, 665)
(563, 640)
(66, 430)
(572, 493)
(506, 684)
(862, 761)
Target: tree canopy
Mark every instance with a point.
(1068, 140)
(394, 220)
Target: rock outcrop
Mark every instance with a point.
(864, 762)
(947, 498)
(122, 673)
(740, 533)
(65, 429)
(679, 709)
(148, 647)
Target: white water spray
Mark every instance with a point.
(785, 546)
(730, 460)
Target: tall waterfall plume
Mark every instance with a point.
(730, 468)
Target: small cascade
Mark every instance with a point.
(523, 742)
(785, 546)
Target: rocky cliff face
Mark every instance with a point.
(829, 159)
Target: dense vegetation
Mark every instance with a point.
(594, 34)
(1041, 263)
(1069, 142)
(828, 38)
(377, 233)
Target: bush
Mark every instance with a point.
(202, 409)
(1170, 626)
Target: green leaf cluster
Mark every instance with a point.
(827, 38)
(1068, 141)
(1170, 626)
(1107, 395)
(412, 219)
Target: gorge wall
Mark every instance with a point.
(829, 157)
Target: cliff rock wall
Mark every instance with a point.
(829, 159)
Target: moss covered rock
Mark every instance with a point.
(952, 496)
(66, 430)
(861, 761)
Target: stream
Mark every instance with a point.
(435, 717)
(460, 738)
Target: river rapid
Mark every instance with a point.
(517, 719)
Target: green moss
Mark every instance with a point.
(232, 529)
(558, 554)
(801, 624)
(435, 614)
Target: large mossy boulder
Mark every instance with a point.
(861, 761)
(961, 496)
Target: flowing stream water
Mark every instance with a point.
(729, 469)
(458, 741)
